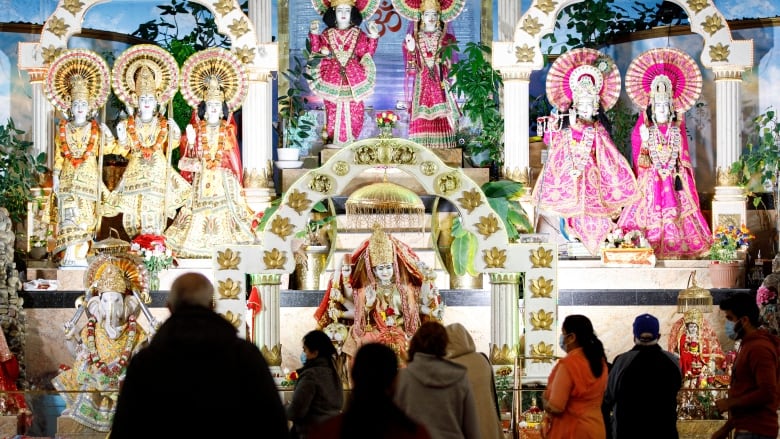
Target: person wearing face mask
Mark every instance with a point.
(586, 179)
(215, 86)
(318, 394)
(754, 394)
(666, 82)
(576, 385)
(346, 76)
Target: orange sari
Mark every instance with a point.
(571, 385)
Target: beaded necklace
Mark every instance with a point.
(578, 153)
(67, 135)
(159, 142)
(115, 370)
(664, 149)
(429, 46)
(213, 158)
(343, 47)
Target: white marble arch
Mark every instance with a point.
(516, 59)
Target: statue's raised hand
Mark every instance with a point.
(314, 27)
(190, 134)
(409, 41)
(373, 29)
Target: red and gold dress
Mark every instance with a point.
(344, 79)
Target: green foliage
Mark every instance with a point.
(19, 171)
(757, 167)
(623, 119)
(479, 85)
(294, 128)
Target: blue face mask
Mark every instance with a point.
(303, 358)
(562, 342)
(732, 332)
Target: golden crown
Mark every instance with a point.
(144, 83)
(380, 249)
(213, 91)
(430, 5)
(79, 88)
(111, 279)
(661, 90)
(335, 3)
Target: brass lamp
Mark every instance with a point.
(393, 206)
(694, 297)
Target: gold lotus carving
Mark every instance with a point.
(403, 155)
(298, 201)
(525, 53)
(233, 318)
(223, 6)
(542, 353)
(541, 258)
(531, 25)
(487, 225)
(546, 6)
(272, 356)
(719, 52)
(320, 183)
(281, 227)
(712, 24)
(49, 53)
(57, 26)
(228, 259)
(542, 320)
(697, 5)
(341, 168)
(366, 155)
(495, 258)
(239, 27)
(428, 168)
(541, 288)
(73, 6)
(274, 259)
(471, 200)
(228, 289)
(448, 183)
(246, 54)
(503, 355)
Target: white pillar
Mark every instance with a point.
(516, 155)
(504, 317)
(508, 16)
(266, 323)
(41, 117)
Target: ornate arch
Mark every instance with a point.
(231, 21)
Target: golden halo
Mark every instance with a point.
(216, 63)
(85, 63)
(160, 62)
(134, 271)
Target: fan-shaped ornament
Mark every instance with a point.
(146, 67)
(367, 8)
(135, 275)
(578, 65)
(413, 9)
(78, 71)
(677, 66)
(206, 66)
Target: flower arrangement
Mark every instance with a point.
(290, 378)
(727, 240)
(504, 387)
(765, 296)
(620, 238)
(156, 256)
(386, 119)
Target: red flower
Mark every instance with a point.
(293, 376)
(390, 311)
(149, 241)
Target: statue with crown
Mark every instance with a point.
(114, 297)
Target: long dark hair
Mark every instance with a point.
(319, 341)
(373, 376)
(355, 17)
(202, 110)
(582, 328)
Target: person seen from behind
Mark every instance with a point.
(374, 373)
(435, 391)
(644, 380)
(753, 398)
(197, 377)
(576, 385)
(462, 350)
(318, 394)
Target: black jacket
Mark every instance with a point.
(197, 378)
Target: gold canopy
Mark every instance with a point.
(394, 207)
(694, 297)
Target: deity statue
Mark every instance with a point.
(665, 82)
(150, 189)
(393, 294)
(434, 112)
(338, 304)
(215, 84)
(585, 179)
(346, 75)
(77, 84)
(694, 340)
(103, 347)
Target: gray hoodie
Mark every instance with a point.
(436, 392)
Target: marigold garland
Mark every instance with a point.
(94, 357)
(65, 151)
(159, 142)
(212, 160)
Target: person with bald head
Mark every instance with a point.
(197, 377)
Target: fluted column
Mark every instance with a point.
(516, 154)
(266, 323)
(41, 116)
(508, 16)
(504, 317)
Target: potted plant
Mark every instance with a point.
(296, 125)
(21, 171)
(727, 265)
(757, 167)
(479, 85)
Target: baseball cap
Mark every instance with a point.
(646, 327)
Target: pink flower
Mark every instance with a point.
(766, 295)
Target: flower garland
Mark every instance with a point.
(115, 370)
(664, 150)
(65, 150)
(578, 153)
(213, 160)
(765, 296)
(159, 142)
